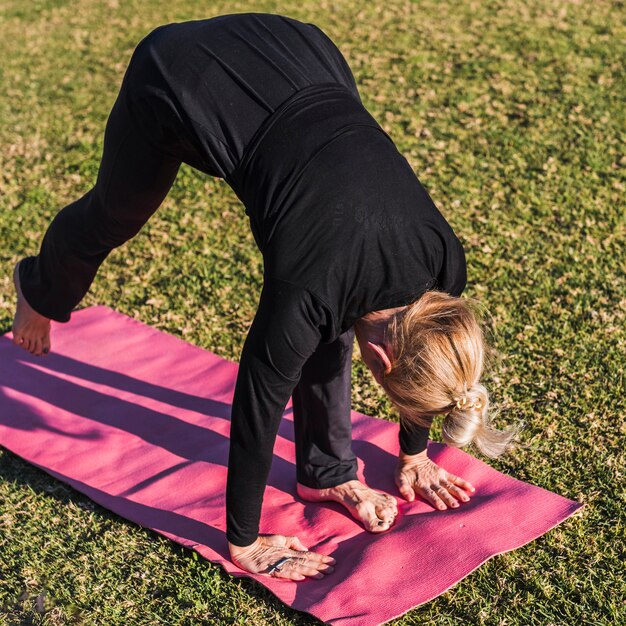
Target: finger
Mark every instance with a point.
(317, 557)
(17, 339)
(456, 492)
(446, 496)
(324, 567)
(405, 488)
(288, 574)
(313, 569)
(434, 499)
(306, 563)
(298, 569)
(295, 544)
(457, 480)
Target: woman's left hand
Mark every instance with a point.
(417, 474)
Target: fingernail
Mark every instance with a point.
(380, 522)
(45, 350)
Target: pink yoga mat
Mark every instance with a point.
(138, 420)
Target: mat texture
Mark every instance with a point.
(138, 420)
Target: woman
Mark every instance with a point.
(352, 245)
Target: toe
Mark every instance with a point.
(379, 525)
(33, 345)
(37, 350)
(387, 510)
(393, 505)
(45, 343)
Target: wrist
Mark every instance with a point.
(236, 550)
(419, 457)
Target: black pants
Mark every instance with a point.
(154, 126)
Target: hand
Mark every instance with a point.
(417, 474)
(267, 549)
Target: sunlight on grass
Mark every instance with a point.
(512, 115)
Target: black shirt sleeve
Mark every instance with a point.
(284, 333)
(453, 276)
(414, 438)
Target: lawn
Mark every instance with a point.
(511, 112)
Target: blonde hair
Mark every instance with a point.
(438, 350)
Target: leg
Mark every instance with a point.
(325, 464)
(321, 412)
(133, 179)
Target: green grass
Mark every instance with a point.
(512, 115)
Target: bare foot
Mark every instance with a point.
(31, 330)
(377, 511)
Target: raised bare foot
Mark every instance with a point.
(31, 330)
(377, 511)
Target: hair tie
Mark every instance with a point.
(460, 404)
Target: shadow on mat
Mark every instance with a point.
(40, 481)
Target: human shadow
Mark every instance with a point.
(81, 370)
(187, 440)
(150, 518)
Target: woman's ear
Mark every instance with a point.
(383, 357)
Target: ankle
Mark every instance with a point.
(337, 493)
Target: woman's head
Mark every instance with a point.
(437, 350)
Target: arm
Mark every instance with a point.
(282, 336)
(417, 474)
(284, 333)
(413, 438)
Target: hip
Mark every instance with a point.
(214, 82)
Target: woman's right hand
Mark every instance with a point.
(268, 549)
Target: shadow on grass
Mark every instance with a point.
(14, 469)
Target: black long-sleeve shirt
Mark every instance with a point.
(345, 228)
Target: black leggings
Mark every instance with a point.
(153, 127)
